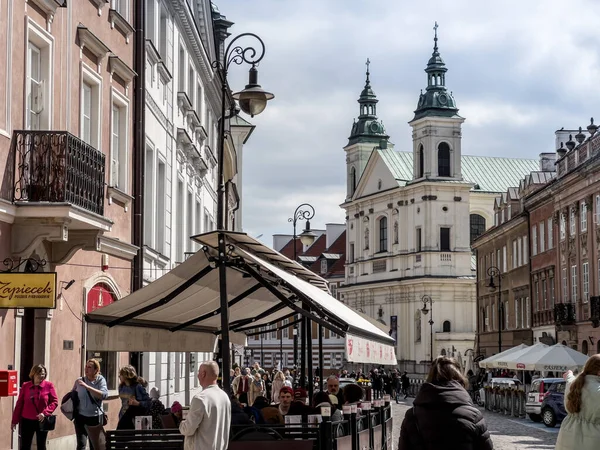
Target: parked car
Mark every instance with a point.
(535, 397)
(553, 405)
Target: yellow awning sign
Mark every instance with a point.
(28, 290)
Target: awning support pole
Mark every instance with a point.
(321, 358)
(224, 309)
(303, 354)
(309, 355)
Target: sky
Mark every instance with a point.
(519, 71)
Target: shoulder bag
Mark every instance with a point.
(49, 422)
(95, 402)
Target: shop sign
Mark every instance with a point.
(28, 290)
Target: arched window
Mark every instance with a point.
(352, 180)
(444, 160)
(446, 326)
(477, 226)
(584, 347)
(418, 325)
(383, 230)
(443, 352)
(421, 162)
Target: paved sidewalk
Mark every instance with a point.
(507, 432)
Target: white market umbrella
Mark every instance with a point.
(557, 358)
(488, 362)
(507, 362)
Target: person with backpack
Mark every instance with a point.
(405, 382)
(135, 400)
(90, 390)
(443, 415)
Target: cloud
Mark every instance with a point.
(519, 71)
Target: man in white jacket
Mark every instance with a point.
(206, 426)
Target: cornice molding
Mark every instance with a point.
(117, 248)
(117, 66)
(49, 7)
(118, 21)
(89, 40)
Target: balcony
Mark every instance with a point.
(57, 186)
(564, 314)
(57, 167)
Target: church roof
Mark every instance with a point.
(487, 173)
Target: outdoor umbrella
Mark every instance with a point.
(557, 358)
(509, 361)
(488, 362)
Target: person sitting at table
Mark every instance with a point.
(286, 394)
(321, 399)
(353, 394)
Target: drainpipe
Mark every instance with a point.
(529, 256)
(477, 304)
(139, 143)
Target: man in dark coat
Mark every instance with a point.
(443, 417)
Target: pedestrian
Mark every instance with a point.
(89, 416)
(581, 428)
(37, 400)
(208, 422)
(278, 383)
(243, 386)
(157, 409)
(405, 381)
(286, 395)
(443, 415)
(268, 384)
(257, 389)
(134, 398)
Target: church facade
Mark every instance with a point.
(410, 219)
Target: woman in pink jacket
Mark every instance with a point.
(37, 399)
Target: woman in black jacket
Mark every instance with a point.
(443, 415)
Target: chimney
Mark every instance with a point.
(547, 162)
(334, 231)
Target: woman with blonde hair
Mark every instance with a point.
(443, 415)
(89, 418)
(278, 383)
(257, 389)
(135, 400)
(581, 428)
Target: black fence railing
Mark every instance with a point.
(57, 167)
(564, 314)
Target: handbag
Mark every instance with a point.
(49, 422)
(68, 404)
(104, 416)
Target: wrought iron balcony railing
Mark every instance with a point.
(57, 167)
(564, 314)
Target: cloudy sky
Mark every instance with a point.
(519, 70)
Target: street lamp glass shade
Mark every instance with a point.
(253, 99)
(307, 238)
(492, 285)
(425, 310)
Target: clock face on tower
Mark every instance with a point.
(374, 127)
(443, 99)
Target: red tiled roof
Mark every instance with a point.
(288, 249)
(337, 268)
(317, 247)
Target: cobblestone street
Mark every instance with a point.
(507, 433)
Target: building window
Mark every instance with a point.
(285, 332)
(550, 234)
(119, 142)
(506, 325)
(419, 243)
(351, 252)
(121, 6)
(164, 40)
(352, 180)
(487, 319)
(528, 312)
(35, 88)
(494, 324)
(565, 286)
(418, 326)
(504, 260)
(598, 212)
(509, 212)
(515, 260)
(149, 194)
(574, 283)
(586, 281)
(160, 208)
(525, 249)
(189, 214)
(536, 295)
(180, 222)
(383, 239)
(39, 72)
(182, 61)
(583, 216)
(534, 241)
(90, 108)
(421, 162)
(572, 223)
(323, 266)
(517, 313)
(552, 293)
(477, 226)
(563, 226)
(444, 160)
(545, 294)
(444, 239)
(542, 238)
(446, 328)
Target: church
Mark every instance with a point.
(410, 219)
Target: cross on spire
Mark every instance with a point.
(367, 64)
(435, 38)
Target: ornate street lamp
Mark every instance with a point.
(252, 100)
(427, 299)
(493, 272)
(305, 211)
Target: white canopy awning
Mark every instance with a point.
(488, 363)
(181, 310)
(555, 358)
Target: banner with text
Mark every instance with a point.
(28, 290)
(361, 350)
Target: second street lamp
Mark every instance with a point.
(305, 211)
(427, 299)
(493, 272)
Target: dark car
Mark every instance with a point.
(535, 397)
(553, 405)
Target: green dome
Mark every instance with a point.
(368, 128)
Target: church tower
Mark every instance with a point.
(367, 133)
(436, 126)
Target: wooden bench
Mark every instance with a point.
(170, 439)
